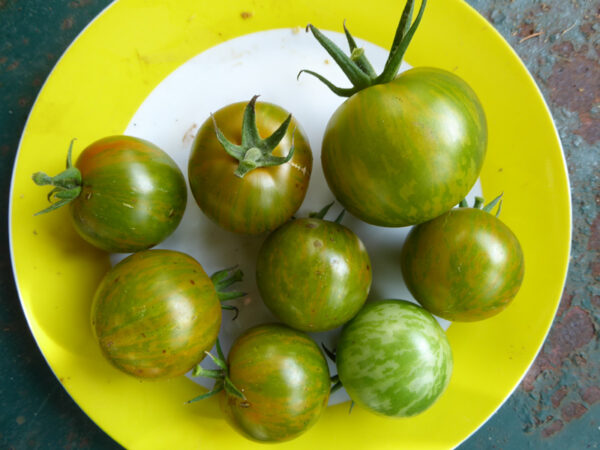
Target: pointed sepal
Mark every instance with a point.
(356, 66)
(255, 152)
(67, 184)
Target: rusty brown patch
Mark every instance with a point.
(565, 303)
(591, 395)
(573, 411)
(587, 29)
(595, 268)
(553, 428)
(67, 24)
(79, 3)
(12, 66)
(575, 330)
(563, 49)
(246, 15)
(558, 396)
(526, 29)
(541, 364)
(574, 84)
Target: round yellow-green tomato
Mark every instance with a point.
(394, 359)
(124, 193)
(313, 274)
(465, 265)
(403, 152)
(285, 380)
(156, 313)
(234, 194)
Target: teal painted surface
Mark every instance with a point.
(558, 403)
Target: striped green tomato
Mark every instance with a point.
(259, 199)
(125, 194)
(406, 151)
(313, 274)
(393, 358)
(284, 378)
(465, 265)
(155, 314)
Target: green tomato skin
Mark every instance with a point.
(314, 275)
(155, 314)
(265, 197)
(465, 265)
(133, 195)
(394, 359)
(404, 152)
(285, 379)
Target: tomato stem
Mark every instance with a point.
(329, 353)
(67, 184)
(213, 391)
(221, 280)
(340, 217)
(490, 206)
(209, 373)
(478, 203)
(401, 42)
(359, 56)
(321, 214)
(357, 67)
(254, 151)
(226, 277)
(336, 387)
(221, 376)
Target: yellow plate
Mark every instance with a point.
(95, 90)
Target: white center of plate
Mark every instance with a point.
(264, 63)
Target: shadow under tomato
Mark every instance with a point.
(57, 287)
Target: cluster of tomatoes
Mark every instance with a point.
(157, 314)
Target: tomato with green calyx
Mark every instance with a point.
(125, 194)
(156, 313)
(274, 385)
(393, 358)
(245, 183)
(313, 274)
(402, 149)
(465, 265)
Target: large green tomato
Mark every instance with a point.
(393, 358)
(256, 200)
(465, 265)
(284, 378)
(404, 152)
(155, 314)
(313, 274)
(125, 194)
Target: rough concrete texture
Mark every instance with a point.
(558, 403)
